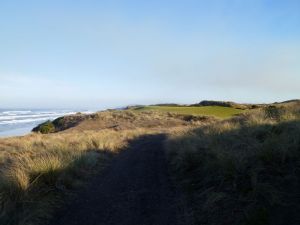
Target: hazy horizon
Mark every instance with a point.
(91, 54)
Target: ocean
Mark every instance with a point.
(20, 122)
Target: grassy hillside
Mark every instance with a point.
(217, 111)
(38, 171)
(120, 120)
(243, 171)
(236, 170)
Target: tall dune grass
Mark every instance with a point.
(39, 171)
(245, 170)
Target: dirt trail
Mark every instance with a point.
(135, 189)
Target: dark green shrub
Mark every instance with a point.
(258, 216)
(274, 113)
(58, 122)
(45, 128)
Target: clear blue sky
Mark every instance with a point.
(95, 54)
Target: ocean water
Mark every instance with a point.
(20, 122)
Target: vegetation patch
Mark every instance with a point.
(247, 166)
(38, 172)
(243, 170)
(229, 104)
(217, 111)
(61, 123)
(121, 120)
(45, 128)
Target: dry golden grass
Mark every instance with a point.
(247, 167)
(37, 171)
(126, 120)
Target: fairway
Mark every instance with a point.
(217, 111)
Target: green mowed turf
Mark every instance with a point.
(217, 111)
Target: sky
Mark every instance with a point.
(110, 53)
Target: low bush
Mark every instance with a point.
(45, 128)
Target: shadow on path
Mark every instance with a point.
(135, 189)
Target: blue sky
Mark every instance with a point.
(97, 54)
